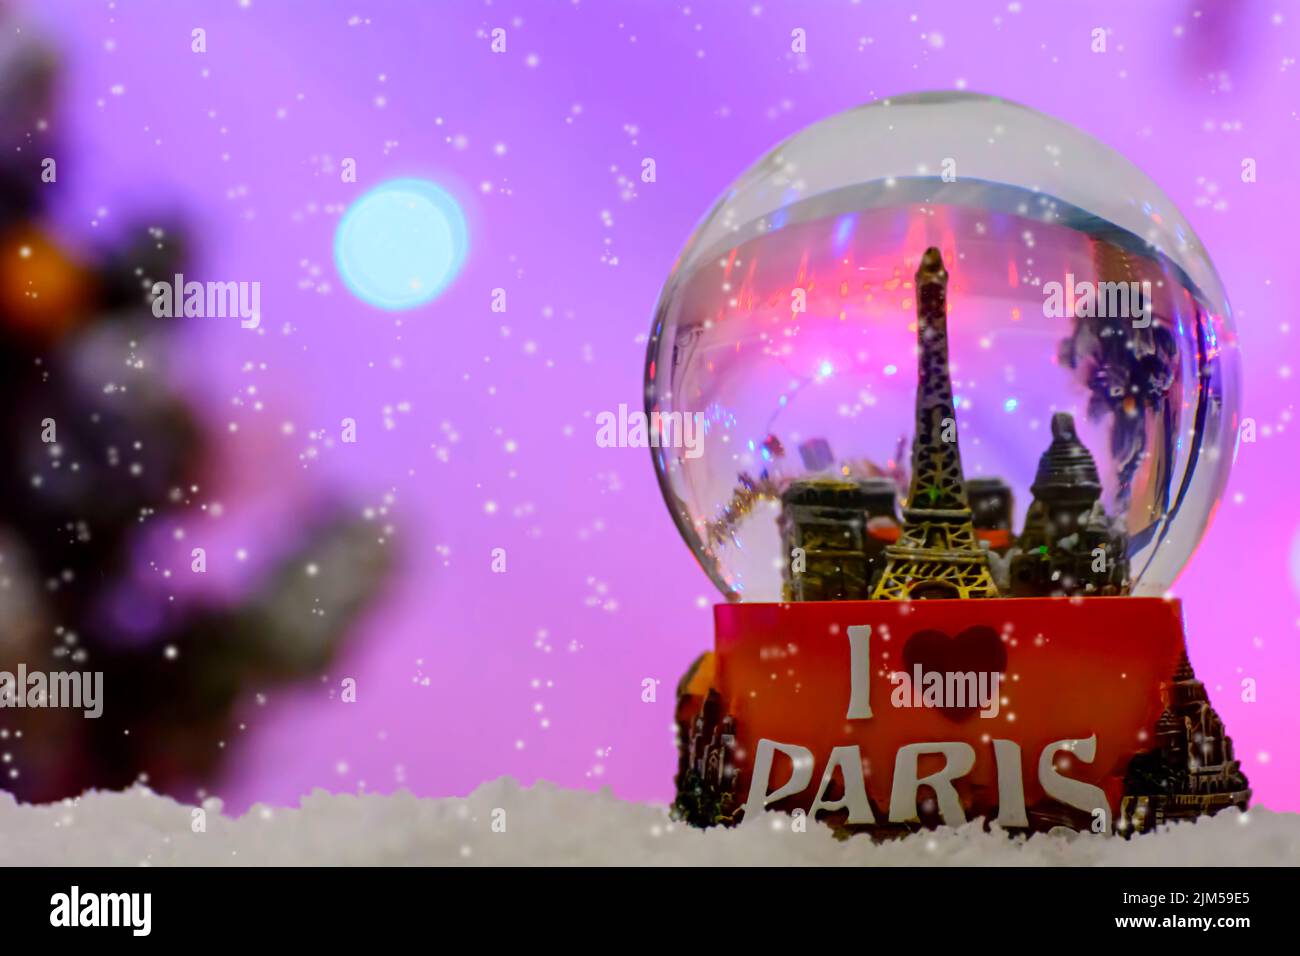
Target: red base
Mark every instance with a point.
(1087, 670)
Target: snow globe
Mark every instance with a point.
(968, 386)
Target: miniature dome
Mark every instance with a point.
(1067, 468)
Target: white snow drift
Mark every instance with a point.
(504, 823)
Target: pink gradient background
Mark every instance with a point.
(464, 675)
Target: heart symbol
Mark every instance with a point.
(977, 649)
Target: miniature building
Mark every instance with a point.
(828, 553)
(937, 554)
(1068, 545)
(1191, 772)
(991, 512)
(706, 771)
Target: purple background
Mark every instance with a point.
(464, 675)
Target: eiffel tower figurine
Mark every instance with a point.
(937, 554)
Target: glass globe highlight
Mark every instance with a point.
(1076, 289)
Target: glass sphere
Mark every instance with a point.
(789, 325)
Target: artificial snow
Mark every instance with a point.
(504, 823)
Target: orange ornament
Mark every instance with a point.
(43, 291)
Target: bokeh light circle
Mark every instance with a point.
(788, 324)
(399, 245)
